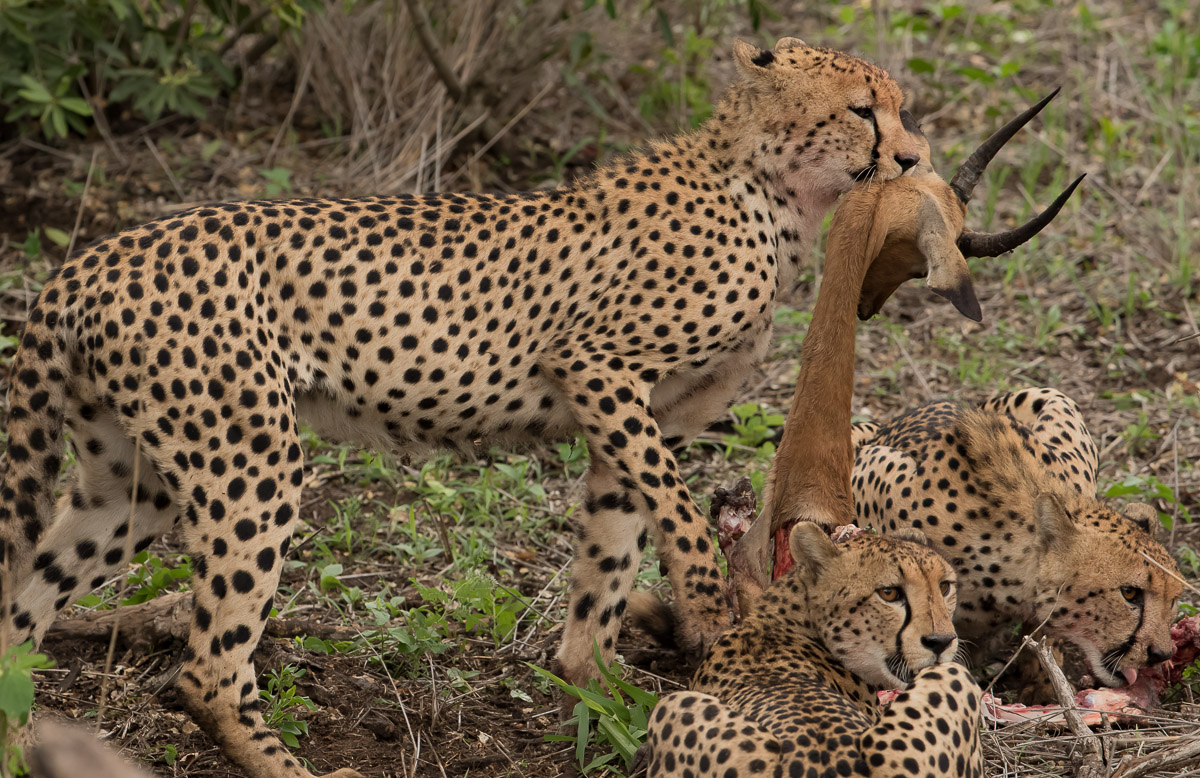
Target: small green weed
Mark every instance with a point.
(281, 700)
(153, 577)
(1149, 488)
(754, 429)
(16, 701)
(612, 716)
(279, 181)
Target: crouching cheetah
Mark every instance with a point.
(183, 354)
(791, 690)
(1007, 494)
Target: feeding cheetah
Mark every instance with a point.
(630, 306)
(1007, 493)
(791, 690)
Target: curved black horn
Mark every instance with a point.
(969, 172)
(981, 244)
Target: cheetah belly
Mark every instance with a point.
(411, 426)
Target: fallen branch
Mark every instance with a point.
(1095, 761)
(425, 35)
(169, 618)
(1176, 756)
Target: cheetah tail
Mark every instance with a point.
(654, 617)
(29, 468)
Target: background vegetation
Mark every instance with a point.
(452, 573)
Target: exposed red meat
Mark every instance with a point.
(733, 509)
(1139, 696)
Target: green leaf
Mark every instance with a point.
(34, 91)
(16, 695)
(581, 735)
(58, 236)
(918, 65)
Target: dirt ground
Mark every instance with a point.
(1104, 307)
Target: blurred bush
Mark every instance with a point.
(66, 59)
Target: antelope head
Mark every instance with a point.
(925, 234)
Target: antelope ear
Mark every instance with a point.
(1141, 514)
(811, 547)
(752, 61)
(1055, 527)
(911, 535)
(948, 273)
(783, 44)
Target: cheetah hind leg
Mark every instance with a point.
(930, 729)
(862, 433)
(236, 521)
(695, 734)
(96, 530)
(1056, 421)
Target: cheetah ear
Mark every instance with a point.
(811, 547)
(910, 534)
(752, 61)
(1141, 514)
(783, 44)
(1055, 527)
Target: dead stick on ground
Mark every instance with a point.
(1176, 756)
(1094, 763)
(170, 617)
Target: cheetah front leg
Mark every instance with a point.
(695, 734)
(627, 445)
(930, 729)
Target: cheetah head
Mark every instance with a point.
(816, 121)
(923, 219)
(883, 605)
(1106, 585)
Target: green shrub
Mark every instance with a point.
(65, 58)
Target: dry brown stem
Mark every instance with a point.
(169, 618)
(1188, 750)
(429, 43)
(1095, 760)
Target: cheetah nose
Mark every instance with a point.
(937, 643)
(906, 160)
(1155, 654)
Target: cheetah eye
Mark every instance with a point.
(944, 587)
(1131, 593)
(862, 111)
(890, 593)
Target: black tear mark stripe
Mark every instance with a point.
(903, 626)
(878, 139)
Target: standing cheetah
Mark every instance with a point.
(631, 305)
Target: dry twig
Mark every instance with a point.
(424, 32)
(1095, 761)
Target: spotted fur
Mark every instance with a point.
(1007, 493)
(630, 306)
(791, 690)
